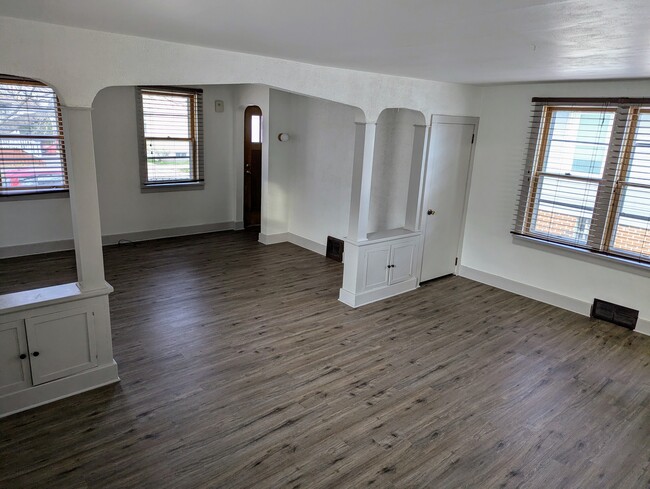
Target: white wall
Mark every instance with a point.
(123, 207)
(313, 170)
(34, 221)
(391, 169)
(80, 62)
(490, 252)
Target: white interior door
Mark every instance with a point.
(444, 204)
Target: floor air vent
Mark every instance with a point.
(623, 316)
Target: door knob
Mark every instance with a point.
(431, 212)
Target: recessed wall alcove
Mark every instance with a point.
(397, 166)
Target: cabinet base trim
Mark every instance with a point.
(357, 300)
(58, 389)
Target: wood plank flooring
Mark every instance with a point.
(241, 369)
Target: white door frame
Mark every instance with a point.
(447, 119)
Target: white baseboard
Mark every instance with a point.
(643, 326)
(269, 239)
(111, 239)
(58, 389)
(168, 233)
(542, 295)
(307, 244)
(356, 300)
(36, 248)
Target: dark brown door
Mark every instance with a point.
(252, 166)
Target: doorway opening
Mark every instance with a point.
(252, 167)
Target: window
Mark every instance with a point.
(171, 139)
(587, 178)
(256, 129)
(32, 151)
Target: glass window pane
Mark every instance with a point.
(28, 110)
(564, 209)
(28, 161)
(166, 115)
(169, 160)
(632, 230)
(256, 129)
(577, 142)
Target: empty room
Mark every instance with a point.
(341, 244)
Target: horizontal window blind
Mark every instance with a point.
(586, 182)
(32, 149)
(170, 133)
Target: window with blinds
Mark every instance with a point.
(587, 179)
(32, 150)
(171, 136)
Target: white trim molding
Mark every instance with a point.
(542, 295)
(308, 244)
(111, 239)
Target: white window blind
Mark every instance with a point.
(170, 133)
(587, 179)
(32, 149)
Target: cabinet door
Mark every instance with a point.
(376, 267)
(14, 371)
(61, 344)
(401, 258)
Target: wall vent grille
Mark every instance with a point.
(613, 313)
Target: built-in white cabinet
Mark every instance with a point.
(14, 358)
(54, 342)
(61, 344)
(45, 348)
(380, 267)
(387, 264)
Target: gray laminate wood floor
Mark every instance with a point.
(240, 368)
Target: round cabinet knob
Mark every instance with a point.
(431, 212)
(22, 356)
(36, 354)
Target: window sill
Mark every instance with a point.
(615, 262)
(34, 195)
(171, 187)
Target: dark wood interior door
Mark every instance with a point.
(252, 166)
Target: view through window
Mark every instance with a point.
(587, 182)
(32, 150)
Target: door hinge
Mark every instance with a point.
(456, 261)
(472, 139)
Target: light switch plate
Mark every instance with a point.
(218, 105)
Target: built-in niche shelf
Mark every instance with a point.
(396, 171)
(387, 235)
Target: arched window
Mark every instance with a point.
(32, 150)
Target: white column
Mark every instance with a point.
(84, 199)
(416, 180)
(364, 151)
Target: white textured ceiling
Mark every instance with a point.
(467, 41)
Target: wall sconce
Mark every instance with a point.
(283, 136)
